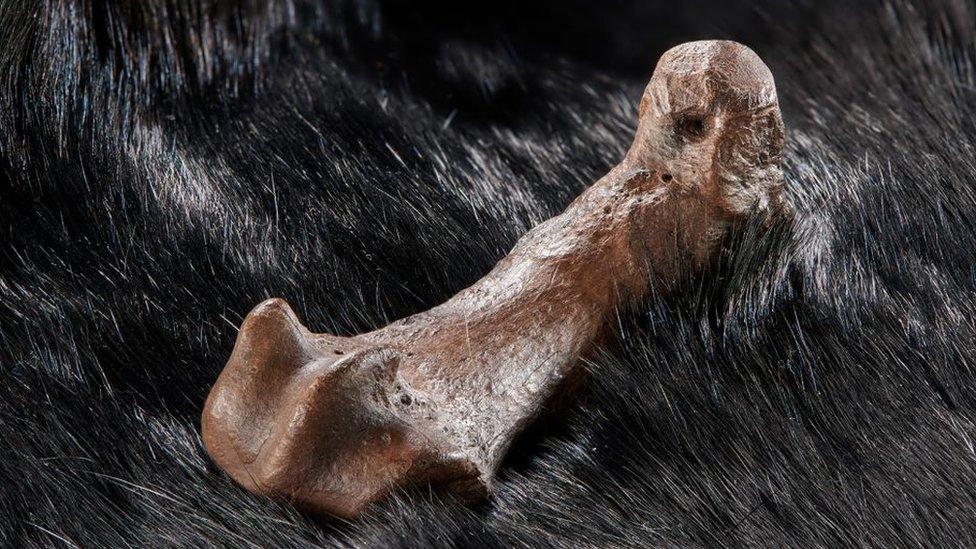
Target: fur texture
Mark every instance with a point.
(165, 165)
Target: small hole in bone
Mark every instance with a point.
(690, 127)
(405, 400)
(666, 177)
(606, 209)
(337, 351)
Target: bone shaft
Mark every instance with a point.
(556, 289)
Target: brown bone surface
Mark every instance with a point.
(334, 423)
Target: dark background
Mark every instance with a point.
(165, 165)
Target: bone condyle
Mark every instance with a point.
(333, 423)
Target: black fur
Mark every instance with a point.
(167, 164)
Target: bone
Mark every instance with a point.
(333, 424)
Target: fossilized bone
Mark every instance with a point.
(334, 423)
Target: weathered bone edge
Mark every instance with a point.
(334, 423)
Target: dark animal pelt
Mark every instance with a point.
(167, 164)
